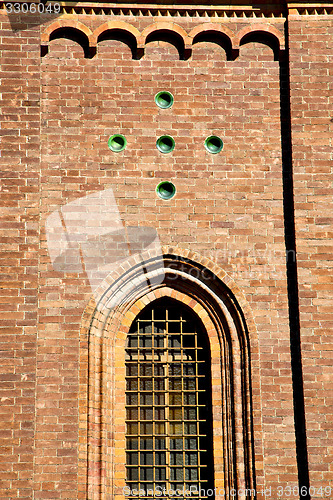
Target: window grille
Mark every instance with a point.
(168, 404)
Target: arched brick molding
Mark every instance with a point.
(72, 30)
(166, 31)
(215, 33)
(268, 35)
(171, 33)
(204, 287)
(119, 30)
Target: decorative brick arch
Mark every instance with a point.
(197, 283)
(269, 30)
(166, 26)
(60, 26)
(216, 27)
(184, 42)
(65, 23)
(215, 33)
(119, 26)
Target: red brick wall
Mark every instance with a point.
(19, 215)
(228, 207)
(311, 49)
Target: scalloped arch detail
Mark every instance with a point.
(212, 27)
(65, 23)
(116, 25)
(186, 38)
(262, 28)
(165, 26)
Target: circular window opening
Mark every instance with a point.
(165, 144)
(214, 144)
(117, 143)
(164, 99)
(166, 190)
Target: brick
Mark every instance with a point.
(58, 113)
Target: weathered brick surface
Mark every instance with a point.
(58, 113)
(19, 212)
(311, 90)
(228, 207)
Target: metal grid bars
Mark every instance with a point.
(168, 411)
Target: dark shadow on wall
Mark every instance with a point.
(292, 280)
(264, 38)
(171, 37)
(124, 37)
(219, 39)
(74, 35)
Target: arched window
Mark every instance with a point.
(168, 399)
(169, 442)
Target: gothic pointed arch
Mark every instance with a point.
(201, 287)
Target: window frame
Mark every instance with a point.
(164, 337)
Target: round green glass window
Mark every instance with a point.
(214, 144)
(164, 99)
(165, 144)
(166, 190)
(117, 143)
